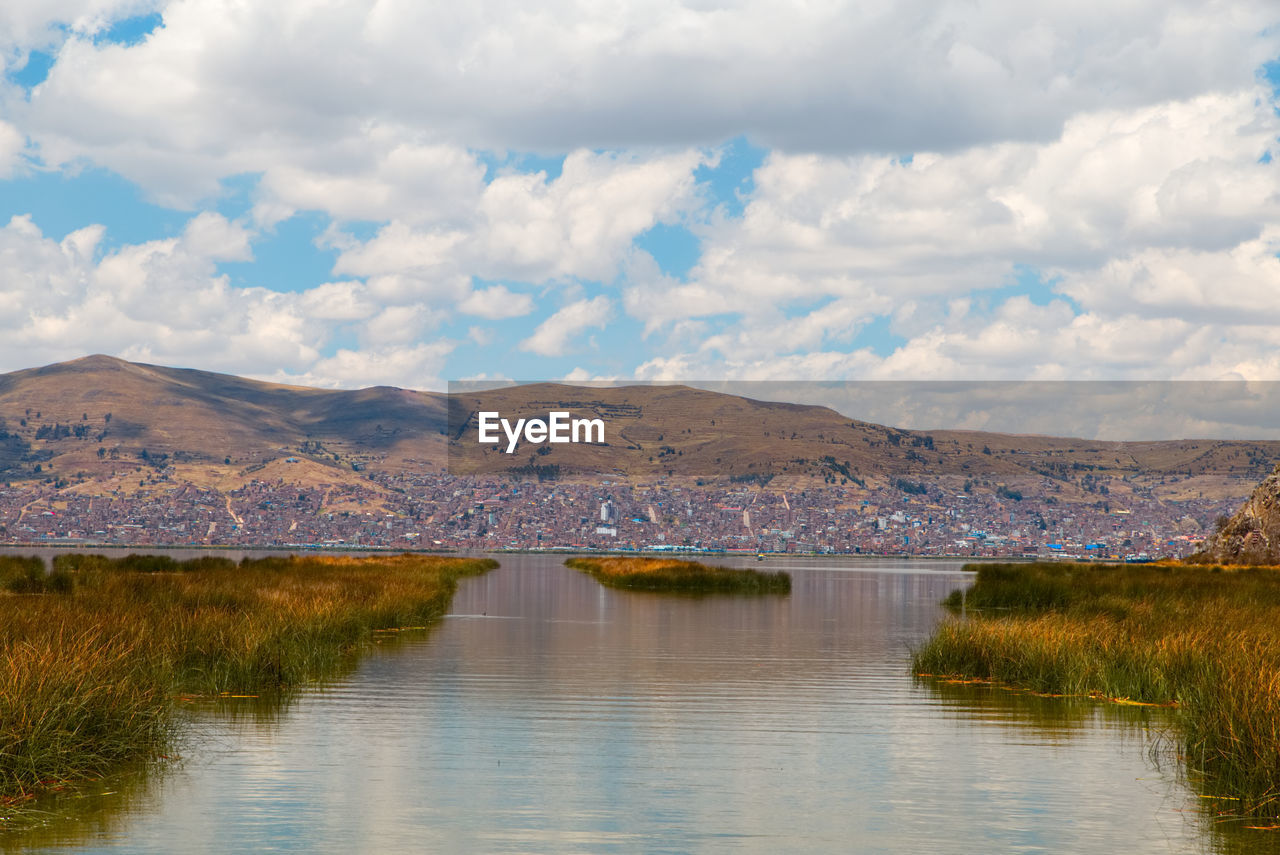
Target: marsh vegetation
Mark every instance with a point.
(99, 653)
(1203, 640)
(671, 574)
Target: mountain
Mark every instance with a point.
(100, 424)
(694, 435)
(1252, 534)
(100, 417)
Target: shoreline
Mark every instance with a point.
(295, 549)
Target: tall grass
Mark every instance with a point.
(96, 653)
(1206, 639)
(668, 574)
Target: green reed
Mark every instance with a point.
(668, 574)
(97, 654)
(1203, 639)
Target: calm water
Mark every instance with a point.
(549, 714)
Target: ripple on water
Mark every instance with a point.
(549, 714)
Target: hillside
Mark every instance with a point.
(100, 417)
(100, 424)
(1252, 534)
(692, 435)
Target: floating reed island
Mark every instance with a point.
(1204, 641)
(98, 654)
(670, 574)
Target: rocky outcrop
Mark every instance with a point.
(1252, 534)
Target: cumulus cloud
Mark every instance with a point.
(217, 91)
(384, 177)
(158, 300)
(1236, 286)
(1019, 340)
(27, 24)
(337, 301)
(164, 301)
(210, 235)
(496, 303)
(12, 142)
(558, 333)
(416, 366)
(765, 335)
(582, 224)
(1179, 174)
(924, 155)
(397, 249)
(527, 227)
(1153, 222)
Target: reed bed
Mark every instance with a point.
(97, 653)
(1204, 640)
(669, 574)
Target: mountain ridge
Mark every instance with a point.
(1252, 534)
(100, 423)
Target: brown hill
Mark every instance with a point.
(692, 435)
(98, 424)
(1252, 534)
(100, 415)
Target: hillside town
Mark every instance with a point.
(440, 512)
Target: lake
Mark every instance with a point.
(549, 714)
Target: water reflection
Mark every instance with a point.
(95, 809)
(1049, 718)
(550, 714)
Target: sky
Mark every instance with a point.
(346, 194)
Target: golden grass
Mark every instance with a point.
(673, 574)
(96, 653)
(1206, 640)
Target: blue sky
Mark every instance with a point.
(410, 194)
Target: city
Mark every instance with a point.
(440, 512)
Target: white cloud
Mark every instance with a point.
(227, 87)
(768, 334)
(1153, 221)
(582, 224)
(397, 248)
(526, 227)
(210, 235)
(1019, 340)
(1116, 150)
(399, 325)
(407, 366)
(1237, 286)
(383, 177)
(163, 301)
(558, 333)
(35, 24)
(1176, 174)
(683, 367)
(496, 302)
(12, 143)
(337, 301)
